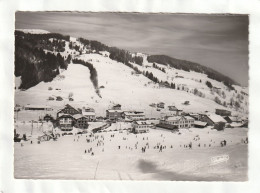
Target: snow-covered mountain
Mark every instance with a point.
(120, 77)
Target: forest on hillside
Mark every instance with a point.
(191, 66)
(32, 63)
(117, 54)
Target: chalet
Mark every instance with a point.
(200, 124)
(223, 112)
(174, 110)
(160, 105)
(142, 126)
(79, 110)
(80, 121)
(116, 107)
(68, 110)
(176, 122)
(87, 109)
(114, 115)
(37, 108)
(133, 115)
(196, 116)
(232, 119)
(90, 116)
(212, 119)
(65, 122)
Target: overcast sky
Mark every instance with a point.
(216, 41)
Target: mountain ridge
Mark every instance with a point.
(116, 76)
(124, 56)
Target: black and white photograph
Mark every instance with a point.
(131, 96)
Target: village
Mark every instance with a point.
(70, 120)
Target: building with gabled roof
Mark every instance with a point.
(88, 109)
(68, 109)
(133, 115)
(200, 124)
(176, 122)
(174, 110)
(90, 116)
(223, 112)
(65, 122)
(196, 116)
(142, 126)
(80, 121)
(232, 119)
(212, 119)
(113, 114)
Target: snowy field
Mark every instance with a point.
(66, 157)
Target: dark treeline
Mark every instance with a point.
(94, 45)
(157, 67)
(93, 73)
(116, 54)
(32, 63)
(191, 66)
(43, 40)
(36, 37)
(151, 76)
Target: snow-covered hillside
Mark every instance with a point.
(119, 83)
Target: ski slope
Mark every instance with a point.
(65, 158)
